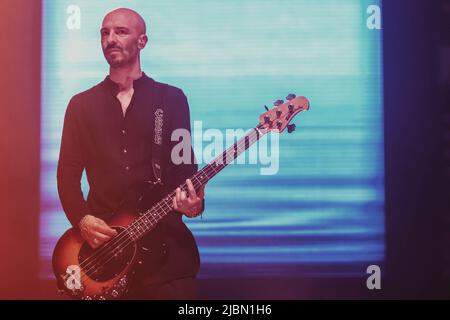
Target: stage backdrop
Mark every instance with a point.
(322, 213)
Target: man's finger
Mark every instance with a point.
(100, 237)
(106, 230)
(97, 239)
(93, 244)
(191, 189)
(175, 206)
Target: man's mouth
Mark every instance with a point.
(113, 50)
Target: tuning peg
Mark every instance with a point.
(265, 107)
(291, 128)
(290, 96)
(266, 119)
(279, 112)
(278, 102)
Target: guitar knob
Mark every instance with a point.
(278, 103)
(279, 124)
(291, 128)
(123, 281)
(290, 96)
(291, 108)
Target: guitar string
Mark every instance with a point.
(210, 169)
(126, 234)
(151, 217)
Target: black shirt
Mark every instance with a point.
(116, 152)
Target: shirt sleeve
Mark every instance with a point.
(180, 166)
(71, 166)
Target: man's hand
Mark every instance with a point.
(190, 205)
(95, 231)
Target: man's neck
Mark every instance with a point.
(124, 76)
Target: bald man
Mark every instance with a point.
(109, 132)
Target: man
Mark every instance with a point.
(109, 131)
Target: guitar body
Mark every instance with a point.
(106, 277)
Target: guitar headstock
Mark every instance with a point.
(278, 118)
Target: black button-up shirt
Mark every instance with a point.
(115, 150)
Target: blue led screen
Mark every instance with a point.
(320, 210)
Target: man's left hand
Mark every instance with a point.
(192, 204)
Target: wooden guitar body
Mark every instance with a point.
(108, 275)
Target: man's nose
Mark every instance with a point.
(111, 38)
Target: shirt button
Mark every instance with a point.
(127, 168)
(125, 151)
(123, 131)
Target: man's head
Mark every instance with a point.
(123, 36)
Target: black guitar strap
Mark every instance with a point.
(159, 110)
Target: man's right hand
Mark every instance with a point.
(95, 231)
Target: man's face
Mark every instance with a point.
(120, 35)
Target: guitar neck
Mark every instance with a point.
(149, 219)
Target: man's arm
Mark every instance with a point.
(177, 174)
(71, 166)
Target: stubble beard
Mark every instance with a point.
(121, 61)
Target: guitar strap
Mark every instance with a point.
(159, 102)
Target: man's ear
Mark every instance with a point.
(142, 41)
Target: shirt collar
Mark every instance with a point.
(114, 87)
